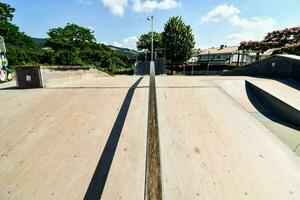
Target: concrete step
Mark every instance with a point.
(280, 98)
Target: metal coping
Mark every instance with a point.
(153, 183)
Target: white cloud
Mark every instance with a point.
(240, 37)
(255, 24)
(85, 2)
(254, 28)
(117, 44)
(129, 42)
(251, 29)
(219, 12)
(91, 28)
(150, 5)
(117, 7)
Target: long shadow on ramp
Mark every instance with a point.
(98, 181)
(267, 110)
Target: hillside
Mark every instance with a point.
(123, 51)
(39, 42)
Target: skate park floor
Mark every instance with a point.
(87, 140)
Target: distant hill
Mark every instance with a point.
(124, 51)
(39, 42)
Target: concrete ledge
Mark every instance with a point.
(280, 108)
(28, 77)
(277, 66)
(52, 76)
(49, 76)
(142, 67)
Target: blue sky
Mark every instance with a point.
(120, 22)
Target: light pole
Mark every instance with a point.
(208, 63)
(150, 18)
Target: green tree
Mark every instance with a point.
(70, 37)
(144, 41)
(11, 33)
(20, 47)
(178, 40)
(14, 38)
(276, 39)
(6, 12)
(284, 41)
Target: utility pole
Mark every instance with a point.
(151, 18)
(208, 63)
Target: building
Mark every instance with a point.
(195, 56)
(224, 55)
(229, 56)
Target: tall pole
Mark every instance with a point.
(208, 63)
(152, 50)
(152, 37)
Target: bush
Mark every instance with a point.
(123, 71)
(65, 57)
(47, 57)
(22, 57)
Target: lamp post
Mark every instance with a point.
(208, 63)
(150, 18)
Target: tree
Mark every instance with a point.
(6, 12)
(144, 41)
(70, 37)
(20, 47)
(11, 33)
(178, 40)
(276, 39)
(14, 38)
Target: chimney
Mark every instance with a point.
(222, 46)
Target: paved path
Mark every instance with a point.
(52, 141)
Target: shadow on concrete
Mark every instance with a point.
(69, 88)
(265, 109)
(98, 181)
(10, 88)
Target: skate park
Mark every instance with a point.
(218, 139)
(149, 99)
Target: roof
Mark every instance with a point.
(224, 50)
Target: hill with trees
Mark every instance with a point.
(69, 45)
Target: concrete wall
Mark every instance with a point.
(28, 77)
(280, 108)
(143, 67)
(52, 76)
(277, 66)
(37, 77)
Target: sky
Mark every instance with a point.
(121, 22)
